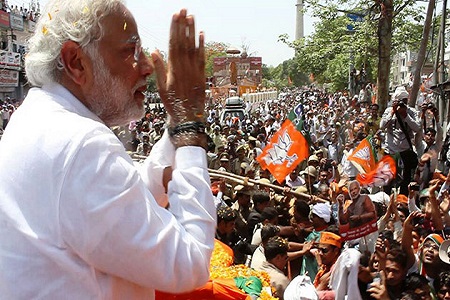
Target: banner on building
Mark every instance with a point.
(9, 78)
(255, 61)
(16, 22)
(10, 59)
(31, 26)
(4, 19)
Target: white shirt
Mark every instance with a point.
(294, 183)
(77, 220)
(348, 168)
(257, 258)
(344, 277)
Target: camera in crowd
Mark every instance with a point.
(414, 187)
(417, 221)
(401, 102)
(241, 244)
(429, 106)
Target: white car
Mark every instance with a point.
(234, 107)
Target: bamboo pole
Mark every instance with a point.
(252, 182)
(231, 178)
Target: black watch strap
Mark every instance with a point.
(191, 126)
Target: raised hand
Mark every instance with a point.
(445, 204)
(181, 86)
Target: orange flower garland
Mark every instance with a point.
(221, 267)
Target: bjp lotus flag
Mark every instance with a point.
(364, 155)
(286, 149)
(383, 173)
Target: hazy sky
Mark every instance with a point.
(256, 23)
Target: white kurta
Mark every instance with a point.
(78, 222)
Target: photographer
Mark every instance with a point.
(401, 123)
(429, 141)
(373, 121)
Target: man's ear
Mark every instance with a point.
(75, 62)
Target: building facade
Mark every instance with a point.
(16, 26)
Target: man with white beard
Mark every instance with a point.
(361, 211)
(79, 221)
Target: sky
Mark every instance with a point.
(255, 23)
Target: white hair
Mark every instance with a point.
(356, 182)
(61, 21)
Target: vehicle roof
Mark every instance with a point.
(231, 101)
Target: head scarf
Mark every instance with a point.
(437, 239)
(323, 211)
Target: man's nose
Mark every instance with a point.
(145, 64)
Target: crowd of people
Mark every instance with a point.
(287, 235)
(79, 219)
(93, 223)
(32, 13)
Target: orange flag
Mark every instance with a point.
(383, 173)
(364, 155)
(286, 149)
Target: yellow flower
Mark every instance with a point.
(221, 267)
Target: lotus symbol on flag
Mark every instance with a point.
(286, 149)
(278, 154)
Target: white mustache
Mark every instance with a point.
(139, 85)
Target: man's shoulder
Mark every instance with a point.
(254, 215)
(276, 275)
(365, 197)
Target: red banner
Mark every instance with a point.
(348, 233)
(4, 19)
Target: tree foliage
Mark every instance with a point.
(280, 75)
(339, 42)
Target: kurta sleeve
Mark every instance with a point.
(161, 157)
(110, 219)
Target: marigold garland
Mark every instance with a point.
(221, 267)
(220, 257)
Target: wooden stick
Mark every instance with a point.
(223, 174)
(230, 178)
(289, 275)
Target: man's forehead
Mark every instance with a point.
(392, 265)
(120, 25)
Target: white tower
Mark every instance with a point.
(299, 20)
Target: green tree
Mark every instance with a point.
(278, 76)
(330, 51)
